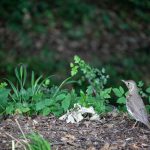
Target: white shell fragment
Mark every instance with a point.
(77, 113)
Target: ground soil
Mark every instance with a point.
(111, 132)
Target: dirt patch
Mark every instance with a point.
(109, 133)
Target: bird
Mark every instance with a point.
(134, 103)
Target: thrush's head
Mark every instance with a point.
(131, 85)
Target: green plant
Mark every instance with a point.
(96, 94)
(57, 104)
(33, 141)
(22, 99)
(37, 97)
(4, 93)
(19, 90)
(120, 94)
(100, 101)
(96, 78)
(145, 93)
(37, 142)
(40, 97)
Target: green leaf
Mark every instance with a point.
(117, 92)
(148, 90)
(3, 85)
(44, 103)
(40, 105)
(89, 90)
(48, 102)
(148, 108)
(140, 83)
(25, 109)
(121, 90)
(108, 90)
(66, 102)
(37, 96)
(9, 109)
(60, 97)
(103, 70)
(105, 94)
(58, 112)
(77, 59)
(46, 111)
(4, 94)
(37, 142)
(121, 100)
(71, 65)
(15, 90)
(3, 98)
(74, 70)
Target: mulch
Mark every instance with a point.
(111, 132)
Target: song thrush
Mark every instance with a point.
(135, 104)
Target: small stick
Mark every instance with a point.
(14, 139)
(21, 130)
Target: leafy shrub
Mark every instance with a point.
(96, 78)
(56, 105)
(145, 93)
(96, 94)
(40, 97)
(21, 98)
(120, 93)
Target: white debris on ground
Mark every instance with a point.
(78, 113)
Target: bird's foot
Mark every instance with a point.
(134, 125)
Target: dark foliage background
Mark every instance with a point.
(46, 35)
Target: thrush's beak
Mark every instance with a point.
(123, 81)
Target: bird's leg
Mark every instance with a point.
(134, 124)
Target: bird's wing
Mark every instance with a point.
(137, 107)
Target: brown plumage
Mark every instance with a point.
(135, 104)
